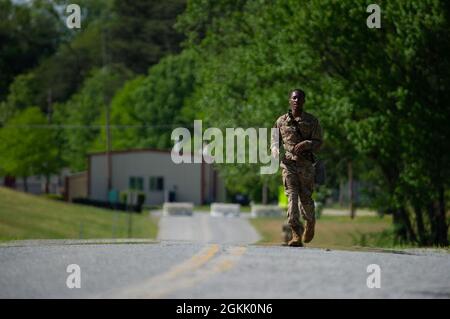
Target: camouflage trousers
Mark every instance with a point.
(298, 181)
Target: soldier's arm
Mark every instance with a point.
(314, 143)
(276, 141)
(316, 136)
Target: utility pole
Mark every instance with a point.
(107, 126)
(49, 120)
(350, 189)
(131, 204)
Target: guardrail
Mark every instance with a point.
(178, 209)
(225, 210)
(266, 211)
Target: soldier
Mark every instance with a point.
(286, 234)
(300, 135)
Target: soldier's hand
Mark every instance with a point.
(301, 147)
(275, 152)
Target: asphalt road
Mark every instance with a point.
(201, 227)
(204, 265)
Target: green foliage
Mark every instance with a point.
(204, 17)
(22, 91)
(60, 75)
(60, 72)
(141, 32)
(26, 148)
(78, 115)
(28, 33)
(380, 94)
(120, 35)
(146, 109)
(123, 195)
(140, 199)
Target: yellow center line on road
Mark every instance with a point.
(194, 262)
(161, 281)
(228, 263)
(223, 263)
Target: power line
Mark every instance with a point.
(94, 126)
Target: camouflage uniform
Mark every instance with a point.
(286, 233)
(298, 170)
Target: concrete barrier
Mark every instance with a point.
(178, 209)
(225, 210)
(267, 211)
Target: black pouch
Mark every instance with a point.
(319, 172)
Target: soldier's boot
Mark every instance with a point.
(296, 240)
(308, 234)
(287, 234)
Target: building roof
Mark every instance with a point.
(131, 150)
(136, 150)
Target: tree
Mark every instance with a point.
(141, 32)
(78, 117)
(57, 76)
(27, 146)
(104, 39)
(147, 108)
(28, 33)
(390, 78)
(372, 89)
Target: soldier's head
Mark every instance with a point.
(296, 100)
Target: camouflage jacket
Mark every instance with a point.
(288, 135)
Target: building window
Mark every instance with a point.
(136, 183)
(156, 183)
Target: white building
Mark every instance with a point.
(154, 173)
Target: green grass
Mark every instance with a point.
(25, 216)
(333, 231)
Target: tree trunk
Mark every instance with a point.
(442, 228)
(420, 225)
(399, 227)
(407, 222)
(432, 218)
(341, 193)
(350, 189)
(264, 193)
(402, 223)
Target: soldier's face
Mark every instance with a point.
(296, 101)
